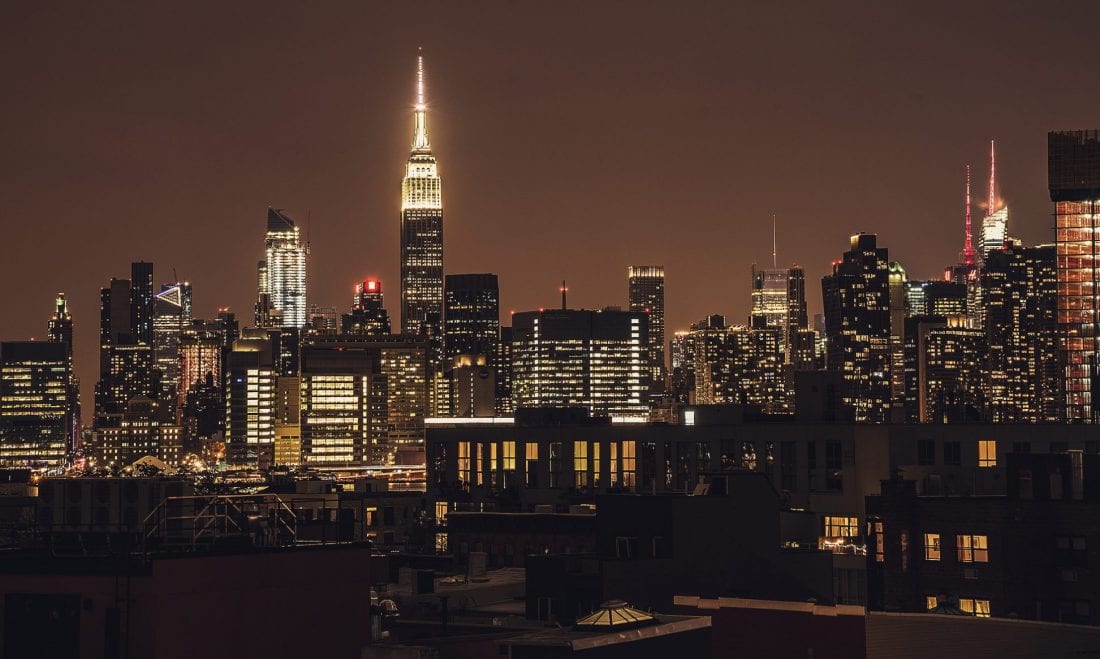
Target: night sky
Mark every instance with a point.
(573, 140)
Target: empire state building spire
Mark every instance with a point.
(420, 133)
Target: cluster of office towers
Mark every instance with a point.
(1007, 335)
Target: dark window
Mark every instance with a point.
(811, 466)
(1021, 447)
(1059, 447)
(952, 453)
(926, 452)
(626, 548)
(555, 464)
(834, 460)
(788, 464)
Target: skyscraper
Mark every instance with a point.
(282, 275)
(127, 369)
(779, 302)
(471, 316)
(856, 297)
(995, 223)
(1073, 176)
(171, 317)
(1022, 376)
(471, 337)
(737, 365)
(421, 227)
(335, 399)
(250, 399)
(34, 403)
(646, 284)
(368, 313)
(581, 358)
(60, 330)
(141, 301)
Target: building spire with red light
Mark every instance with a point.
(968, 246)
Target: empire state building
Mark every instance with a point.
(421, 229)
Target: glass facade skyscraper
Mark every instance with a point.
(1073, 176)
(282, 275)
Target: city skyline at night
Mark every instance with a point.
(192, 154)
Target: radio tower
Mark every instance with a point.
(968, 246)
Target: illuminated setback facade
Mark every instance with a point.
(421, 229)
(581, 358)
(646, 285)
(34, 403)
(1073, 175)
(856, 297)
(282, 277)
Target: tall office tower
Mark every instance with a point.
(335, 407)
(282, 275)
(1020, 284)
(504, 372)
(141, 301)
(779, 301)
(581, 358)
(421, 228)
(915, 303)
(60, 330)
(770, 305)
(250, 399)
(899, 288)
(368, 315)
(35, 413)
(471, 317)
(738, 365)
(797, 316)
(126, 365)
(646, 293)
(171, 318)
(995, 223)
(1073, 176)
(682, 368)
(944, 366)
(856, 297)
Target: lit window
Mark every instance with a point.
(580, 464)
(595, 464)
(464, 462)
(629, 463)
(689, 417)
(974, 607)
(509, 456)
(931, 602)
(987, 453)
(880, 543)
(972, 548)
(931, 546)
(841, 527)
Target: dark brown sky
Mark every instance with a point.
(573, 138)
